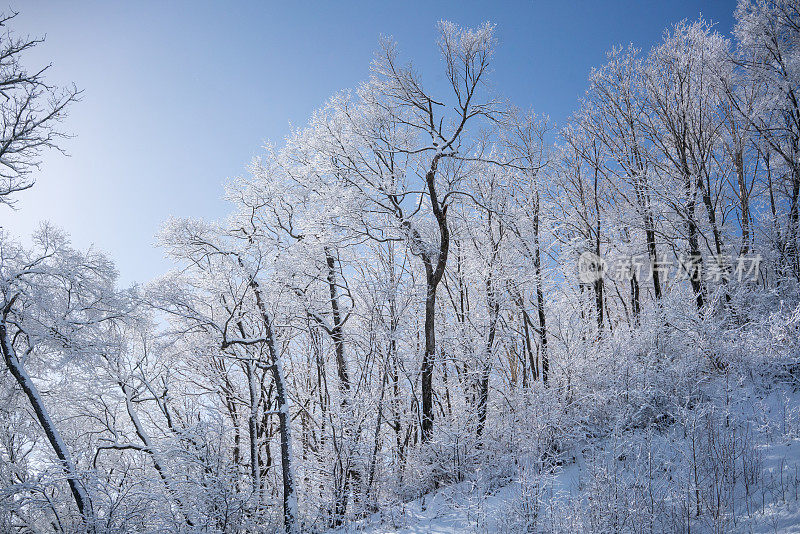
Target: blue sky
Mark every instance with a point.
(179, 97)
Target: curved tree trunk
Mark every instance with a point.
(433, 275)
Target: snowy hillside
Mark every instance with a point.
(426, 309)
(609, 486)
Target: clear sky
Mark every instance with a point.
(179, 96)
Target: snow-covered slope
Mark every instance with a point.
(566, 498)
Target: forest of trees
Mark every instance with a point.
(422, 284)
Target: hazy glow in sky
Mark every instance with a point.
(179, 97)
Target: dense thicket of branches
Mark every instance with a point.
(404, 293)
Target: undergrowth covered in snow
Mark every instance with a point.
(693, 426)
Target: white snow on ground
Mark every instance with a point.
(780, 509)
(773, 507)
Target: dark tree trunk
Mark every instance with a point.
(695, 267)
(794, 222)
(537, 265)
(528, 345)
(290, 513)
(493, 305)
(428, 356)
(635, 303)
(144, 437)
(252, 428)
(643, 199)
(79, 494)
(483, 394)
(337, 332)
(351, 473)
(433, 275)
(712, 217)
(598, 284)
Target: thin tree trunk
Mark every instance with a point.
(744, 201)
(483, 394)
(528, 346)
(79, 494)
(290, 510)
(493, 306)
(695, 267)
(711, 213)
(635, 303)
(337, 332)
(428, 356)
(237, 436)
(433, 275)
(149, 448)
(794, 222)
(598, 301)
(376, 438)
(537, 266)
(598, 284)
(252, 429)
(643, 198)
(337, 336)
